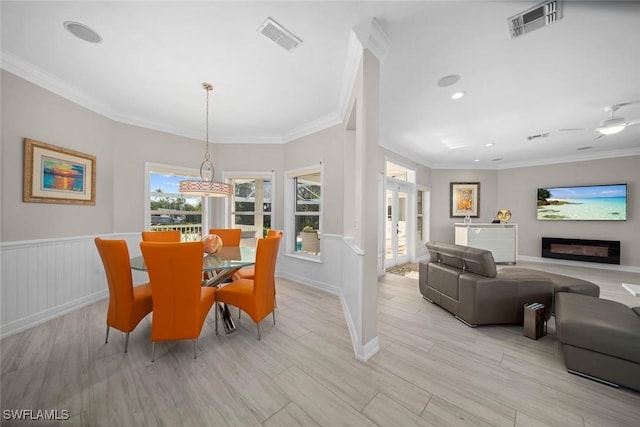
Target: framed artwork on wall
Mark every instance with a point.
(464, 199)
(54, 174)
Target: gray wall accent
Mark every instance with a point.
(517, 191)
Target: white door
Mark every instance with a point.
(396, 225)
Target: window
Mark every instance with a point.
(305, 222)
(422, 215)
(166, 209)
(251, 205)
(399, 172)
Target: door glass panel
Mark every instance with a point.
(402, 223)
(388, 245)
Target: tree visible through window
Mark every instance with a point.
(308, 192)
(251, 205)
(170, 210)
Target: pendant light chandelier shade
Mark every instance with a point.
(206, 186)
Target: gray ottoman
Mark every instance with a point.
(600, 338)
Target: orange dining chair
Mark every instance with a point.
(162, 236)
(128, 304)
(255, 297)
(248, 272)
(180, 303)
(229, 236)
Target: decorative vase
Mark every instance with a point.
(504, 215)
(212, 243)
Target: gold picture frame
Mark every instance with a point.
(54, 174)
(464, 199)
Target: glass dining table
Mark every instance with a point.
(217, 269)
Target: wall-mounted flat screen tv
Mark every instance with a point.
(587, 203)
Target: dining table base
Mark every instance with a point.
(225, 316)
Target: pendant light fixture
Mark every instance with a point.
(206, 186)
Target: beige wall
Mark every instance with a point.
(31, 112)
(132, 147)
(122, 150)
(250, 158)
(441, 222)
(322, 147)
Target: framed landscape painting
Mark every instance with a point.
(465, 199)
(54, 174)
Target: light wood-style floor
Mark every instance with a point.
(431, 370)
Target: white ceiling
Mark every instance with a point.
(154, 55)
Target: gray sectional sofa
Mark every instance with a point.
(600, 338)
(465, 281)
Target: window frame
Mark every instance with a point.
(426, 206)
(291, 214)
(270, 176)
(150, 167)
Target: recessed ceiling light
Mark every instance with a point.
(489, 144)
(476, 160)
(449, 80)
(458, 95)
(82, 32)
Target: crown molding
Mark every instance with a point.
(577, 158)
(349, 74)
(314, 126)
(556, 160)
(366, 35)
(35, 75)
(29, 72)
(372, 37)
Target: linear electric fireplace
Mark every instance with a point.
(604, 251)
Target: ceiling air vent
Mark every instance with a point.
(280, 35)
(538, 136)
(537, 17)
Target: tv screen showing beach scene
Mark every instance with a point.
(588, 203)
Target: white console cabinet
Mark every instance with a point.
(500, 239)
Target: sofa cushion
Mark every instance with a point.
(562, 283)
(444, 279)
(479, 261)
(451, 255)
(599, 325)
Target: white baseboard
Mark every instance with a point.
(615, 267)
(46, 315)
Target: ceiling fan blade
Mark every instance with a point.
(598, 137)
(633, 122)
(576, 129)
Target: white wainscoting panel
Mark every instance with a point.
(42, 279)
(322, 272)
(338, 270)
